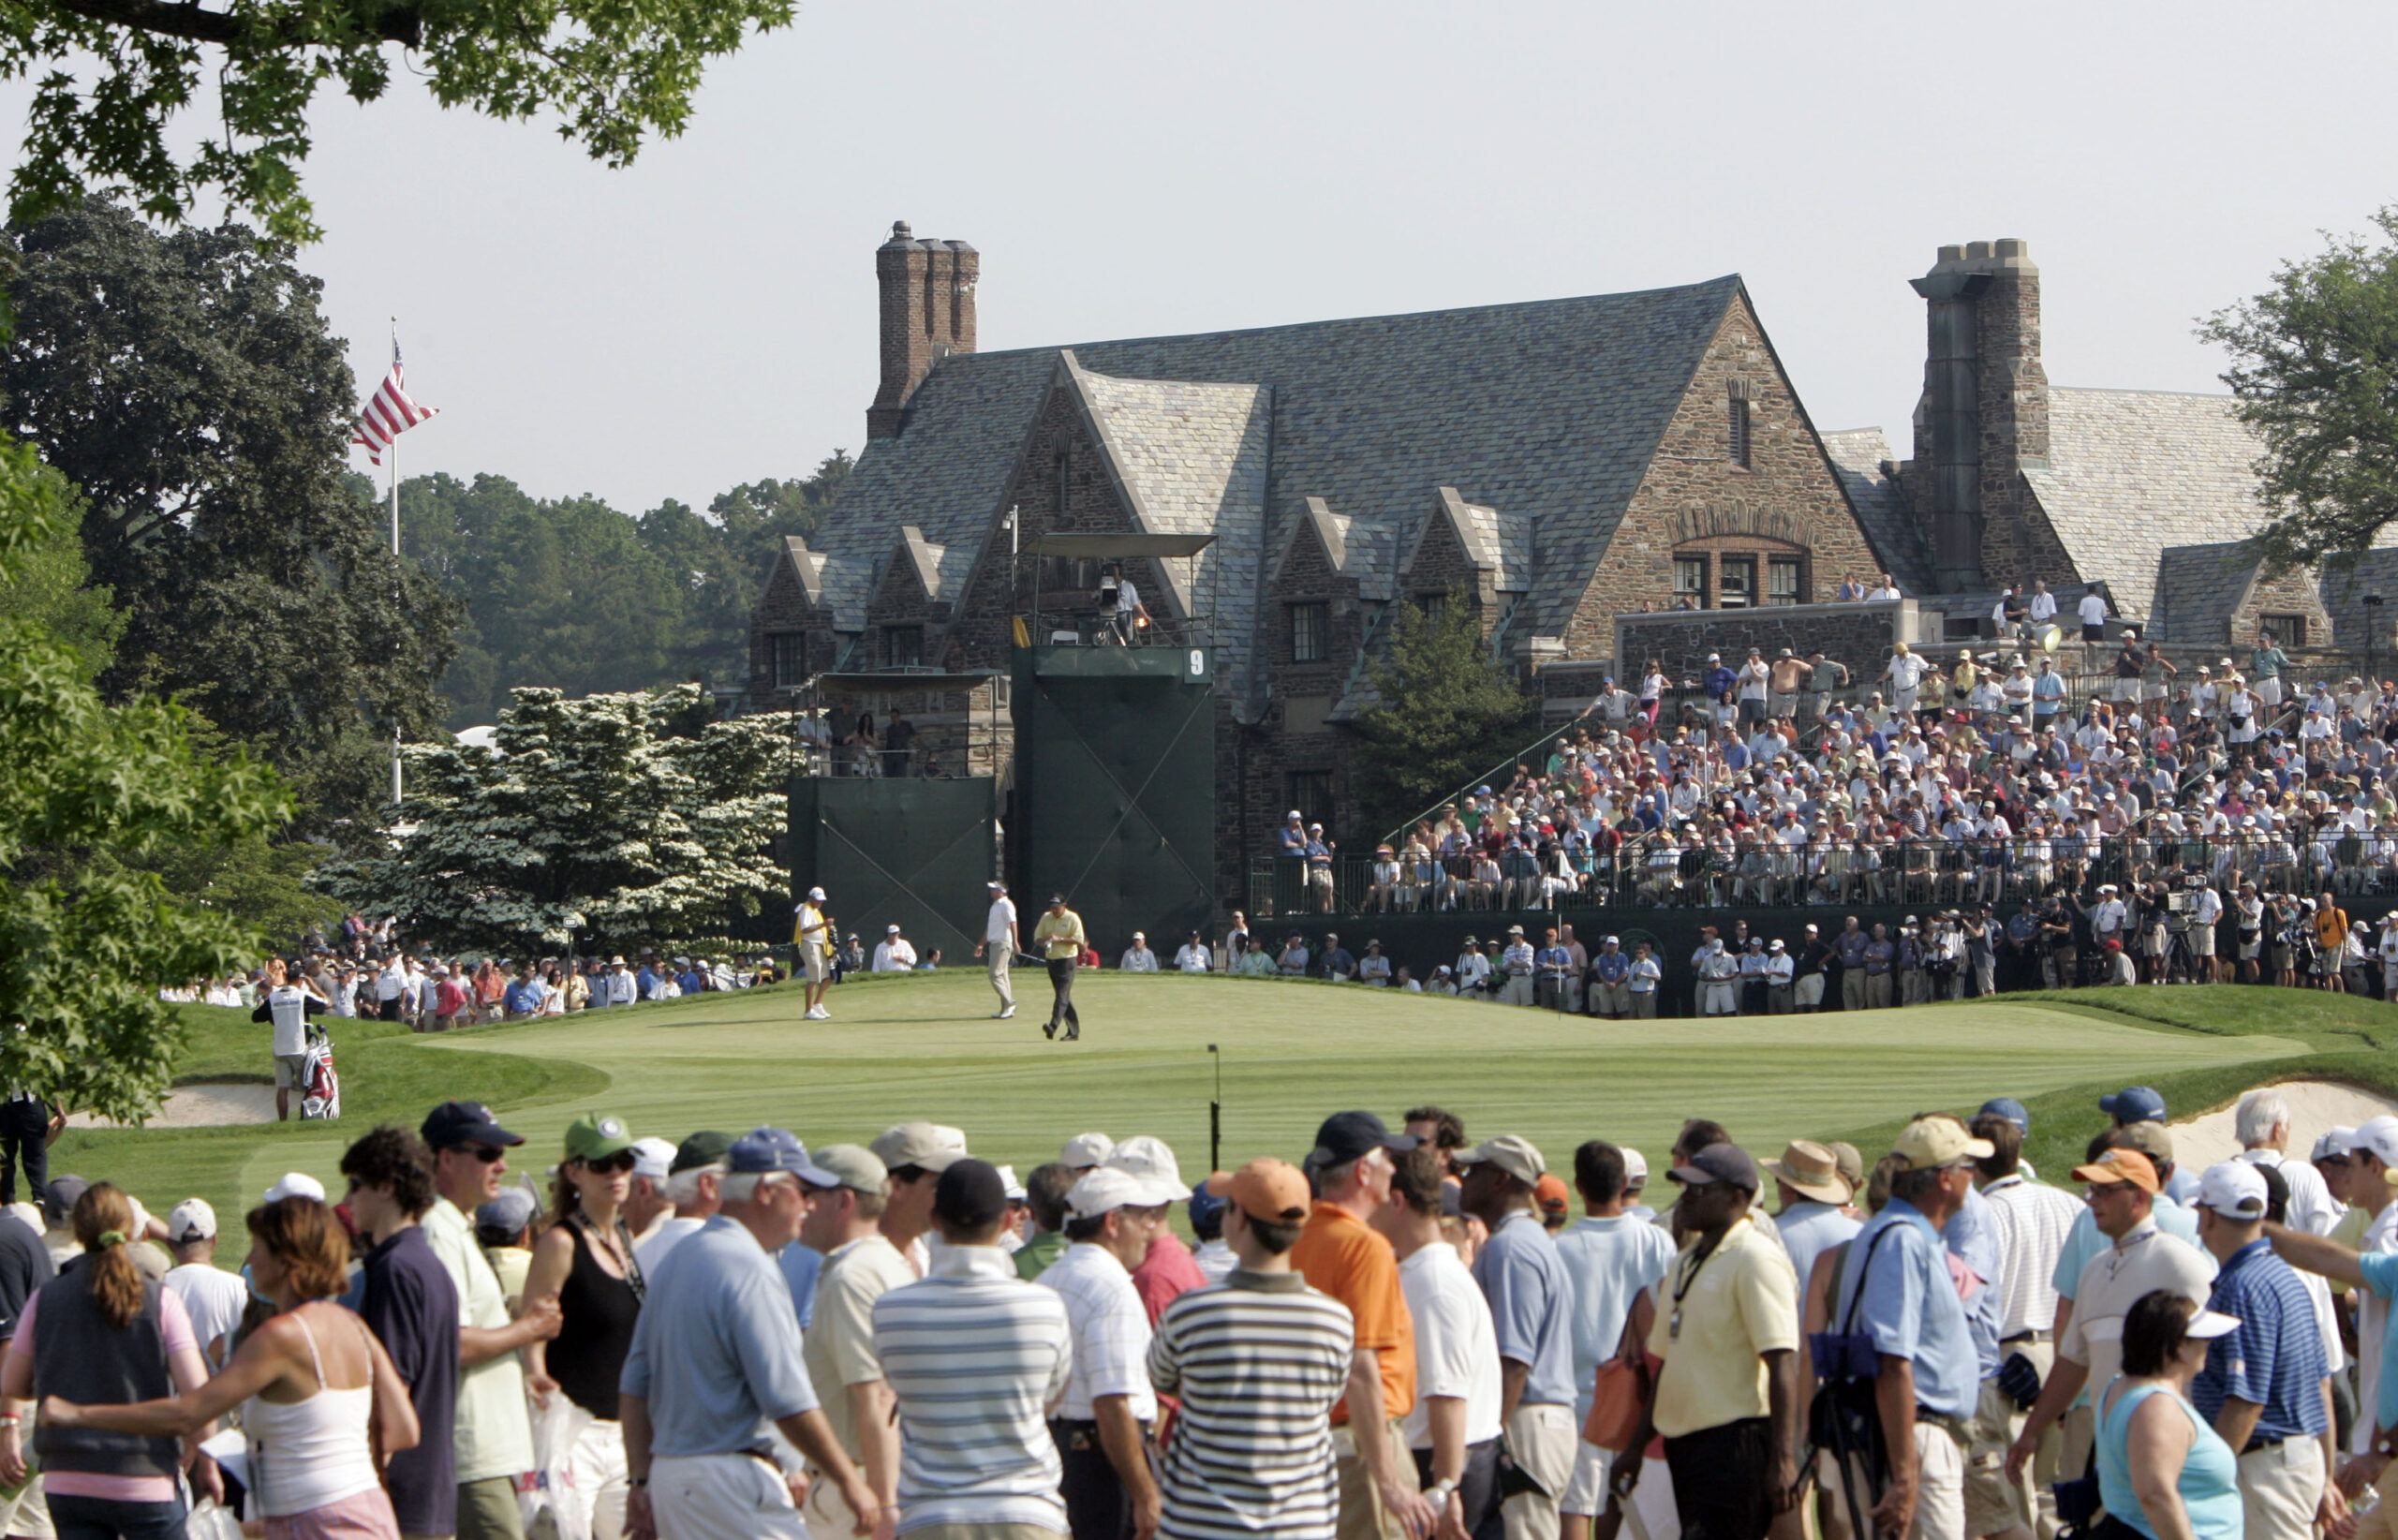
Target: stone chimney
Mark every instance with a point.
(927, 299)
(1984, 413)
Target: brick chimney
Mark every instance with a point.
(928, 298)
(1984, 412)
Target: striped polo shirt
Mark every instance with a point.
(974, 1355)
(1259, 1361)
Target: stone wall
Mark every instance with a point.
(1859, 635)
(1785, 498)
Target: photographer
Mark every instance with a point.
(1121, 610)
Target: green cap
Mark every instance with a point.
(596, 1135)
(706, 1147)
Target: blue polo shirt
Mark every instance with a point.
(1972, 1237)
(1910, 1307)
(410, 1305)
(1612, 966)
(716, 1352)
(1531, 1306)
(2275, 1358)
(2381, 1276)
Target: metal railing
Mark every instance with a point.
(1654, 871)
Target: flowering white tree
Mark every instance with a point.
(630, 820)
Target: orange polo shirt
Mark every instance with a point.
(1337, 1254)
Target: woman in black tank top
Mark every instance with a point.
(585, 1261)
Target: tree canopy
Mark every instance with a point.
(2315, 371)
(1443, 711)
(572, 594)
(612, 821)
(113, 76)
(88, 792)
(188, 384)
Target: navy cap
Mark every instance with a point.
(1206, 1207)
(2008, 1108)
(453, 1124)
(511, 1212)
(1718, 1163)
(1346, 1135)
(764, 1150)
(970, 1195)
(2134, 1104)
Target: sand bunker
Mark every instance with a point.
(2315, 1106)
(209, 1104)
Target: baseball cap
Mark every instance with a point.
(1933, 1144)
(596, 1135)
(1550, 1191)
(654, 1159)
(2333, 1145)
(815, 895)
(1085, 1151)
(1148, 1162)
(291, 1184)
(764, 1149)
(927, 1147)
(1346, 1135)
(2233, 1188)
(970, 1195)
(1718, 1164)
(891, 930)
(1105, 1188)
(191, 1220)
(2134, 1104)
(1850, 1163)
(2120, 1166)
(453, 1124)
(852, 1166)
(2211, 1324)
(2008, 1108)
(1206, 1207)
(706, 1147)
(2379, 1136)
(995, 885)
(1266, 1189)
(508, 1213)
(2153, 1140)
(1511, 1153)
(1010, 1185)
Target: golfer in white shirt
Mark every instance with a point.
(998, 947)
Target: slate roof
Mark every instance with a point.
(2198, 587)
(1190, 458)
(805, 565)
(1897, 535)
(1548, 411)
(2343, 589)
(2132, 472)
(1364, 551)
(926, 558)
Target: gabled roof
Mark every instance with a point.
(1548, 412)
(2344, 586)
(1498, 544)
(1190, 458)
(2198, 587)
(925, 556)
(1361, 550)
(2132, 472)
(1858, 456)
(807, 567)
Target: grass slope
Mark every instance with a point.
(924, 1046)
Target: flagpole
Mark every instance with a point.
(396, 558)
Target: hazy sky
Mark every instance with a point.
(708, 316)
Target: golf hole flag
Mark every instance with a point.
(390, 413)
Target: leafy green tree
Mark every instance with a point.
(49, 583)
(188, 384)
(114, 75)
(594, 820)
(1442, 712)
(86, 943)
(2314, 370)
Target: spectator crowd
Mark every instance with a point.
(1402, 1335)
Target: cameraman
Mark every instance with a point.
(1121, 610)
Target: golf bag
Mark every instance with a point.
(1845, 1419)
(319, 1082)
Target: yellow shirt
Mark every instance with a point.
(1741, 1301)
(1059, 934)
(811, 919)
(2350, 1233)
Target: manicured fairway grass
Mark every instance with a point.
(924, 1046)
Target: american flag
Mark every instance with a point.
(389, 414)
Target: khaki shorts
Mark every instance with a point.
(817, 963)
(26, 1515)
(1362, 1513)
(291, 1071)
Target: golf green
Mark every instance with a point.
(924, 1046)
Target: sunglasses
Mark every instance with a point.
(621, 1161)
(485, 1153)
